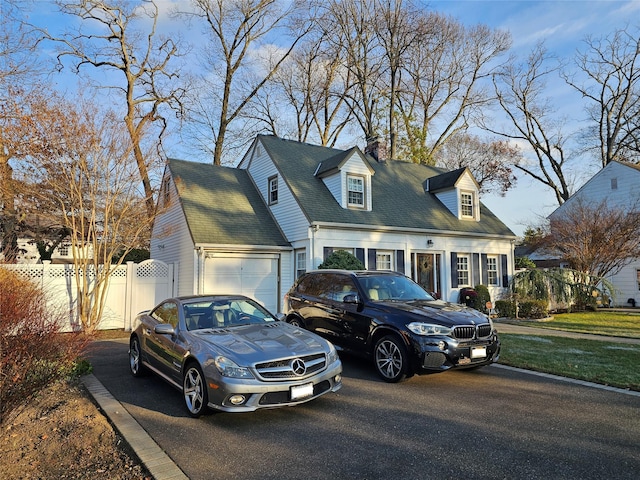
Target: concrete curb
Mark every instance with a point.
(150, 454)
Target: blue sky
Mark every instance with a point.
(562, 24)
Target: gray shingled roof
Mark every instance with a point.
(222, 205)
(398, 195)
(445, 180)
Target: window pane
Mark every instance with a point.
(466, 201)
(355, 187)
(463, 270)
(383, 261)
(301, 263)
(273, 190)
(492, 270)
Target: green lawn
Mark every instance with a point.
(600, 322)
(597, 361)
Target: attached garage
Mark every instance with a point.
(254, 275)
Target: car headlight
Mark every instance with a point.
(229, 368)
(333, 354)
(420, 328)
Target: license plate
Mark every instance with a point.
(478, 352)
(301, 391)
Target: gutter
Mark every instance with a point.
(384, 228)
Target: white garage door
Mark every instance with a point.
(255, 276)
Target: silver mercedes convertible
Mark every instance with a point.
(228, 353)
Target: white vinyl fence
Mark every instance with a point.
(132, 288)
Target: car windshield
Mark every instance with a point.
(222, 313)
(387, 287)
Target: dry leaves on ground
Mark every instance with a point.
(61, 434)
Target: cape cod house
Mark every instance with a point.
(254, 228)
(618, 183)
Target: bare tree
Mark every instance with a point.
(19, 72)
(490, 162)
(81, 168)
(237, 31)
(596, 239)
(314, 85)
(520, 90)
(110, 38)
(26, 115)
(399, 29)
(349, 24)
(442, 92)
(612, 88)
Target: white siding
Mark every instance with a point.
(449, 199)
(625, 195)
(334, 185)
(467, 183)
(626, 284)
(415, 243)
(599, 188)
(286, 212)
(171, 242)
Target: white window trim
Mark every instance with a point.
(468, 270)
(390, 254)
(270, 182)
(496, 270)
(300, 266)
(363, 181)
(474, 207)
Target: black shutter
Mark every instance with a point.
(360, 255)
(505, 273)
(371, 253)
(485, 266)
(476, 269)
(454, 270)
(400, 261)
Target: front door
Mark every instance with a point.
(426, 272)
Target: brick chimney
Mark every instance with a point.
(377, 148)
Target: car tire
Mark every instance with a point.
(136, 367)
(194, 390)
(391, 359)
(296, 322)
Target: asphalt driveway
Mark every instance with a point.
(487, 424)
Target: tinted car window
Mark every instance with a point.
(384, 287)
(167, 313)
(343, 286)
(316, 285)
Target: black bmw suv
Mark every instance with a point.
(390, 318)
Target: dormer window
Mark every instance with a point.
(466, 204)
(355, 191)
(273, 190)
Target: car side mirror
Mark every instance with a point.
(351, 298)
(164, 329)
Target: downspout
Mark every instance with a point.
(314, 229)
(200, 273)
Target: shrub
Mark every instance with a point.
(505, 308)
(342, 260)
(533, 309)
(34, 351)
(482, 298)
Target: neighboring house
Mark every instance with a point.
(28, 253)
(541, 256)
(619, 184)
(253, 229)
